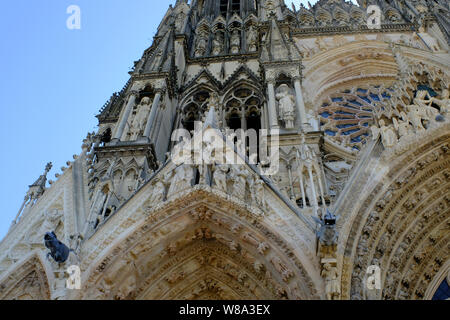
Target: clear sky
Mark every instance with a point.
(54, 80)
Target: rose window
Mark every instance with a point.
(346, 117)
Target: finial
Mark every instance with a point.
(48, 167)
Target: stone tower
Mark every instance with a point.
(358, 117)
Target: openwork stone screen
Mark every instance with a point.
(346, 117)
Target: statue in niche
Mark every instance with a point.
(306, 152)
(140, 119)
(286, 106)
(444, 102)
(252, 39)
(179, 22)
(332, 286)
(200, 48)
(220, 177)
(239, 176)
(213, 100)
(388, 134)
(184, 175)
(217, 44)
(235, 42)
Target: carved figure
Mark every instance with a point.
(200, 50)
(332, 286)
(238, 175)
(388, 135)
(252, 39)
(235, 42)
(217, 45)
(140, 119)
(220, 177)
(444, 102)
(183, 178)
(286, 106)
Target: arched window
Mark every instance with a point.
(236, 6)
(189, 122)
(232, 6)
(194, 110)
(234, 121)
(254, 120)
(243, 109)
(223, 7)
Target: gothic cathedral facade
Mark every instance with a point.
(358, 112)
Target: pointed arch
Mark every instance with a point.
(402, 224)
(29, 279)
(192, 247)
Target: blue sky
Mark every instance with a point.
(54, 80)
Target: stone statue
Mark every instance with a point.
(213, 100)
(424, 108)
(252, 39)
(179, 22)
(444, 102)
(332, 285)
(282, 269)
(239, 176)
(220, 177)
(286, 106)
(217, 45)
(388, 135)
(258, 194)
(415, 117)
(235, 42)
(200, 49)
(306, 153)
(402, 125)
(158, 192)
(184, 175)
(140, 119)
